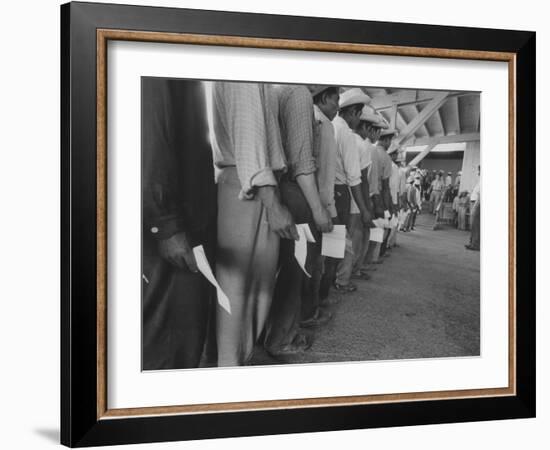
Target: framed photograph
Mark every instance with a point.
(273, 224)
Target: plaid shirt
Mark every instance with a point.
(294, 107)
(247, 134)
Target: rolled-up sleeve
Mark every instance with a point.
(351, 159)
(296, 117)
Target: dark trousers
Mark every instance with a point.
(175, 311)
(311, 287)
(286, 308)
(475, 238)
(342, 202)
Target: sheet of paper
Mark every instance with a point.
(300, 246)
(204, 267)
(380, 223)
(377, 234)
(334, 243)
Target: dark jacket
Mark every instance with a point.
(178, 190)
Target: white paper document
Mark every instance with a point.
(204, 267)
(380, 223)
(334, 243)
(377, 234)
(300, 246)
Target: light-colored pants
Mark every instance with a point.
(435, 197)
(392, 240)
(373, 252)
(246, 265)
(354, 233)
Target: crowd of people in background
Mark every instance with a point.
(439, 189)
(282, 155)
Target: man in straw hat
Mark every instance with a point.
(368, 132)
(384, 208)
(397, 188)
(325, 108)
(300, 194)
(348, 175)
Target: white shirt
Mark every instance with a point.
(365, 160)
(395, 180)
(348, 165)
(474, 197)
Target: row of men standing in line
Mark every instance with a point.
(283, 155)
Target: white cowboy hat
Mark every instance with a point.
(388, 131)
(353, 96)
(368, 114)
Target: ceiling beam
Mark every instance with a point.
(457, 109)
(399, 115)
(451, 139)
(424, 127)
(423, 154)
(408, 132)
(393, 115)
(409, 97)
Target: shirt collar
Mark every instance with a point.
(339, 121)
(319, 115)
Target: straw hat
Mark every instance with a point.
(353, 96)
(388, 131)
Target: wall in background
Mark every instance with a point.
(446, 161)
(470, 173)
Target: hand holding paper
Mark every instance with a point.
(334, 243)
(204, 267)
(300, 246)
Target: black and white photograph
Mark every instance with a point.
(303, 224)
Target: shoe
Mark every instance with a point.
(299, 344)
(330, 301)
(361, 275)
(319, 319)
(471, 247)
(345, 288)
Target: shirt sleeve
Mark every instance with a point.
(351, 160)
(296, 117)
(326, 165)
(373, 175)
(387, 166)
(364, 153)
(246, 127)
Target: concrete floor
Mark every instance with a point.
(422, 302)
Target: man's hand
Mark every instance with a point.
(281, 222)
(279, 218)
(177, 251)
(378, 207)
(366, 218)
(322, 220)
